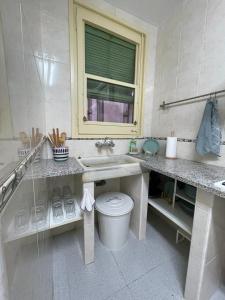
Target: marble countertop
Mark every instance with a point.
(50, 168)
(200, 175)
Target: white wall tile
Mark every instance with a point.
(195, 66)
(55, 29)
(86, 148)
(32, 19)
(57, 82)
(22, 37)
(58, 115)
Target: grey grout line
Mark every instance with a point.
(131, 293)
(140, 277)
(119, 290)
(121, 273)
(119, 268)
(155, 267)
(148, 271)
(126, 284)
(164, 261)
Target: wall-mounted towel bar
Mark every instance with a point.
(10, 183)
(164, 104)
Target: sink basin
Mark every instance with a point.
(220, 184)
(104, 167)
(107, 161)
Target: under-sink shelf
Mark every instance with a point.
(50, 223)
(176, 214)
(181, 194)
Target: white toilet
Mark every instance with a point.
(114, 210)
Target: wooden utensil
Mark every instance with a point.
(57, 137)
(63, 136)
(33, 138)
(60, 142)
(54, 137)
(50, 137)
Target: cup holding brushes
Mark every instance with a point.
(57, 141)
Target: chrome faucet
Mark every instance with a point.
(107, 142)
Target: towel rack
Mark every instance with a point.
(164, 104)
(9, 184)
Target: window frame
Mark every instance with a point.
(79, 16)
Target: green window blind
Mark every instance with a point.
(109, 92)
(109, 56)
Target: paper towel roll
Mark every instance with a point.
(171, 147)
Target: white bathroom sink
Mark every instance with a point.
(104, 167)
(107, 161)
(220, 185)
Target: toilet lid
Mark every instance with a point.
(114, 204)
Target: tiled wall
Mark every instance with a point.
(22, 35)
(55, 45)
(21, 30)
(24, 261)
(190, 61)
(85, 148)
(56, 76)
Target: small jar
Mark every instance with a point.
(60, 153)
(57, 210)
(69, 207)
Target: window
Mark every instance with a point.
(107, 60)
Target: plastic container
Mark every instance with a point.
(21, 221)
(57, 210)
(38, 216)
(69, 207)
(114, 210)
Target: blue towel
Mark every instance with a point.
(209, 134)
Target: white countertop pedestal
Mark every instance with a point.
(206, 259)
(89, 225)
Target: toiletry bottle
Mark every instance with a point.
(133, 146)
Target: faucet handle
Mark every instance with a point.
(108, 142)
